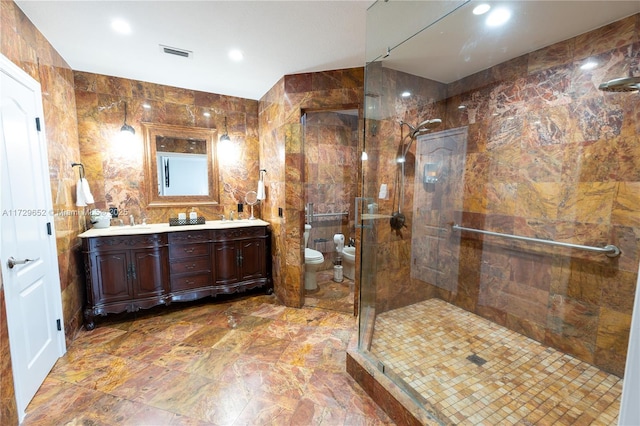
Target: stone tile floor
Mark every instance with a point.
(330, 294)
(246, 361)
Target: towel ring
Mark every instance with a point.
(80, 170)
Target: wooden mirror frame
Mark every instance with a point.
(210, 136)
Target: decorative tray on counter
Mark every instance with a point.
(174, 221)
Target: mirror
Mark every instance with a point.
(180, 165)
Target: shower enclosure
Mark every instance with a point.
(499, 271)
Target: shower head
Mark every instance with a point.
(425, 126)
(625, 84)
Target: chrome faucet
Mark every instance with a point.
(231, 215)
(131, 220)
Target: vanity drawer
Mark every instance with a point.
(120, 242)
(191, 265)
(190, 282)
(182, 237)
(177, 251)
(239, 233)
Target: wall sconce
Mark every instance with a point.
(228, 152)
(125, 127)
(430, 173)
(225, 136)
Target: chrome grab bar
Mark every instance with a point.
(330, 214)
(310, 215)
(610, 250)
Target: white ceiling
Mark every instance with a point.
(276, 37)
(290, 37)
(459, 43)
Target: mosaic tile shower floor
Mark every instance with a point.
(249, 361)
(522, 381)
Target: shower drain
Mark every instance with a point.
(476, 359)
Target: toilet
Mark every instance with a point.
(313, 262)
(349, 262)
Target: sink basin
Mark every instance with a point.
(228, 222)
(120, 228)
(128, 229)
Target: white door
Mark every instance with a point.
(28, 246)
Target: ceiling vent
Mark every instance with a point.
(176, 52)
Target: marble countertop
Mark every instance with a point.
(155, 228)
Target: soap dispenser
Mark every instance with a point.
(193, 215)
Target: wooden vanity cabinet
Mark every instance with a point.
(190, 265)
(124, 273)
(139, 271)
(241, 259)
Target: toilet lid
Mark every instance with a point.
(311, 254)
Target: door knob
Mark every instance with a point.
(11, 262)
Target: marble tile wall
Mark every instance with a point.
(281, 139)
(548, 156)
(115, 170)
(23, 44)
(272, 154)
(331, 173)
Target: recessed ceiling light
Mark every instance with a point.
(481, 9)
(589, 65)
(406, 94)
(236, 55)
(498, 17)
(121, 26)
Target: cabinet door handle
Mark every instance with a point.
(133, 271)
(189, 250)
(192, 266)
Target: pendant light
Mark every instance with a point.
(225, 136)
(125, 127)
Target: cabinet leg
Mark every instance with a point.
(89, 323)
